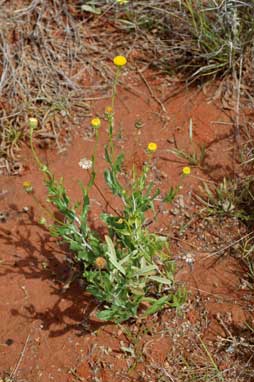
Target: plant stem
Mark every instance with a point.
(111, 121)
(38, 161)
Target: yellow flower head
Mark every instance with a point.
(96, 123)
(152, 147)
(186, 170)
(120, 61)
(122, 1)
(108, 110)
(27, 186)
(100, 262)
(33, 123)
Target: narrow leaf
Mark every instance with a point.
(161, 280)
(112, 254)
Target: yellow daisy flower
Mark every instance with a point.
(122, 1)
(120, 61)
(96, 123)
(186, 170)
(152, 147)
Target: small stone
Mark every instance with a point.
(3, 217)
(9, 341)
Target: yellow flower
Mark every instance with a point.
(122, 1)
(108, 110)
(152, 147)
(120, 61)
(96, 123)
(186, 170)
(100, 262)
(27, 186)
(33, 123)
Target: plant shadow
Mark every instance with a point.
(36, 255)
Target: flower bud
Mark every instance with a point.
(100, 262)
(33, 123)
(28, 187)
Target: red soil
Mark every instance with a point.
(47, 331)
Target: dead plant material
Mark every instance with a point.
(46, 59)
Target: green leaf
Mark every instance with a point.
(109, 178)
(157, 305)
(105, 315)
(74, 246)
(147, 270)
(92, 178)
(112, 182)
(112, 255)
(107, 156)
(85, 209)
(138, 291)
(84, 256)
(179, 298)
(161, 280)
(157, 192)
(123, 231)
(124, 260)
(170, 196)
(118, 162)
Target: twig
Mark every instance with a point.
(151, 91)
(237, 130)
(226, 330)
(230, 245)
(14, 371)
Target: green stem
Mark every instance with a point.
(111, 121)
(46, 173)
(37, 159)
(115, 82)
(95, 147)
(92, 174)
(46, 210)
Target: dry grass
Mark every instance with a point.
(46, 60)
(54, 56)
